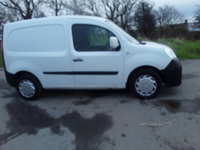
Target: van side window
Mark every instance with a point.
(91, 38)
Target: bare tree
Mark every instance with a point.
(56, 5)
(76, 7)
(2, 15)
(197, 16)
(111, 9)
(120, 11)
(38, 13)
(85, 7)
(127, 13)
(93, 7)
(168, 15)
(8, 15)
(24, 7)
(12, 15)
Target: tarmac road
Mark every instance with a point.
(103, 120)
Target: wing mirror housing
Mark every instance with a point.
(114, 43)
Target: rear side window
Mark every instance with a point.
(91, 38)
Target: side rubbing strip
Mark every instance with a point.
(83, 73)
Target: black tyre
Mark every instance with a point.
(28, 87)
(145, 83)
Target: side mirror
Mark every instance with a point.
(114, 42)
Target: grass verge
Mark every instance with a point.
(184, 49)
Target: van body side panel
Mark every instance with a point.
(39, 47)
(99, 69)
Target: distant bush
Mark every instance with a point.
(180, 32)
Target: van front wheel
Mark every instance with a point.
(145, 83)
(28, 87)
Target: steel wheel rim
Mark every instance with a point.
(27, 88)
(146, 85)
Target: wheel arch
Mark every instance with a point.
(144, 67)
(20, 73)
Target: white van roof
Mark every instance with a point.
(58, 18)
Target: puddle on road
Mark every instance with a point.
(25, 118)
(176, 106)
(83, 102)
(88, 132)
(173, 104)
(124, 101)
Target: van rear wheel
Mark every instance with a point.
(28, 87)
(145, 83)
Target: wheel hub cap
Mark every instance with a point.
(27, 88)
(146, 85)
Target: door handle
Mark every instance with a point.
(77, 59)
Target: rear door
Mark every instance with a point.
(94, 63)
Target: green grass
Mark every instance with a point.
(184, 49)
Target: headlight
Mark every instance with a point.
(170, 53)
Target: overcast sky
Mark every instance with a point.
(187, 7)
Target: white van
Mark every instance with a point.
(82, 52)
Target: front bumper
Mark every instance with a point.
(172, 74)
